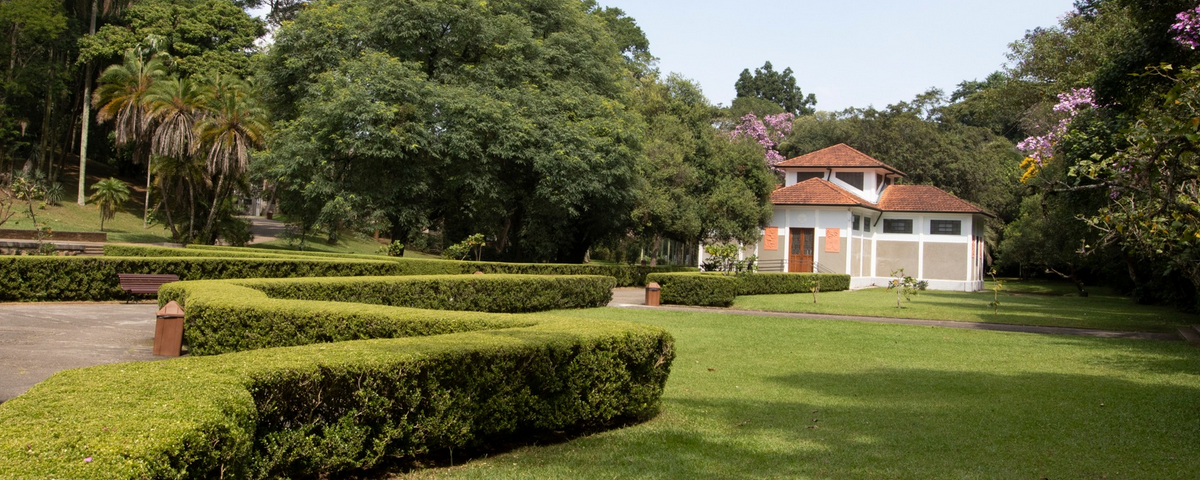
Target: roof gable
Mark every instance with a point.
(816, 191)
(837, 156)
(924, 198)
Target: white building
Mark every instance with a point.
(841, 211)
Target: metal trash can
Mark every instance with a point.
(652, 294)
(168, 331)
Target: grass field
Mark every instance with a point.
(1023, 303)
(759, 397)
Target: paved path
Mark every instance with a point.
(38, 339)
(265, 230)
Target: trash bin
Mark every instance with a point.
(652, 293)
(168, 331)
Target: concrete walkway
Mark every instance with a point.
(38, 339)
(265, 230)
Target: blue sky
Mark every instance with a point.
(850, 53)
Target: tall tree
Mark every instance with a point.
(232, 127)
(778, 88)
(518, 103)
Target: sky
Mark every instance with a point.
(850, 53)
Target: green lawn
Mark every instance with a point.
(1025, 303)
(759, 397)
(71, 217)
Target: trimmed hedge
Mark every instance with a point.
(773, 283)
(626, 275)
(325, 408)
(233, 319)
(95, 278)
(696, 289)
(714, 290)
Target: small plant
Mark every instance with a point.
(461, 250)
(109, 194)
(997, 286)
(723, 258)
(905, 286)
(813, 284)
(394, 249)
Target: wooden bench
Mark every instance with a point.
(141, 283)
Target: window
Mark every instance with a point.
(878, 180)
(866, 224)
(854, 179)
(945, 227)
(897, 225)
(802, 176)
(854, 223)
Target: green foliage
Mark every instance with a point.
(761, 283)
(721, 290)
(905, 285)
(723, 258)
(202, 37)
(394, 249)
(280, 313)
(778, 88)
(326, 408)
(461, 250)
(696, 289)
(513, 126)
(109, 194)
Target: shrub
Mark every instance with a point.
(324, 408)
(775, 283)
(237, 319)
(715, 290)
(709, 290)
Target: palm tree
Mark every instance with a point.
(121, 94)
(233, 125)
(108, 7)
(109, 194)
(173, 105)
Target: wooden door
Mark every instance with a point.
(800, 250)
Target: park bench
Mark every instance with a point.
(141, 283)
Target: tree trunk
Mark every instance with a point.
(87, 113)
(206, 235)
(658, 239)
(146, 206)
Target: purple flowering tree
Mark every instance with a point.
(1039, 149)
(768, 132)
(1187, 29)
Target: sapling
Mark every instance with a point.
(905, 286)
(997, 285)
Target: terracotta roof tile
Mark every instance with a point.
(840, 155)
(924, 198)
(816, 191)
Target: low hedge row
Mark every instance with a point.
(95, 278)
(774, 282)
(696, 289)
(233, 319)
(326, 408)
(715, 290)
(626, 275)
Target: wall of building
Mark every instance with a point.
(945, 261)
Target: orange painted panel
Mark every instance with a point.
(771, 238)
(833, 240)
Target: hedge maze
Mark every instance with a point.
(319, 376)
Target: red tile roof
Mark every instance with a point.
(816, 191)
(837, 156)
(895, 198)
(924, 198)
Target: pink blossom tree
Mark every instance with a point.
(768, 132)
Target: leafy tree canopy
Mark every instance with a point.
(778, 88)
